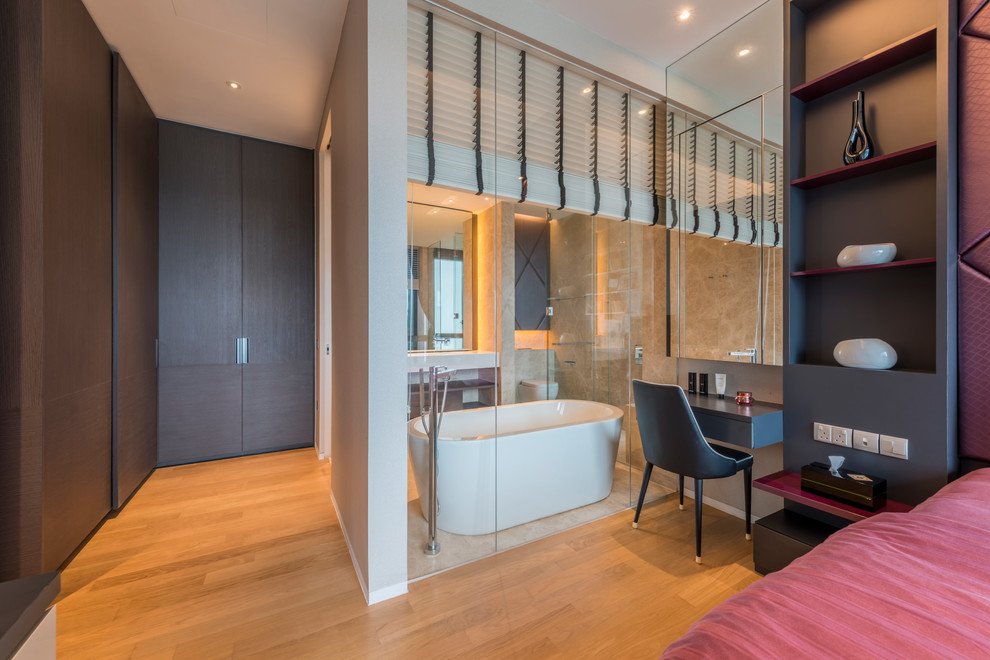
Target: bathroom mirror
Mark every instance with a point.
(439, 287)
(726, 134)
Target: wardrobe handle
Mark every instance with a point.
(242, 350)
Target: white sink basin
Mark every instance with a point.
(417, 360)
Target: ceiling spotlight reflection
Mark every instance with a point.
(744, 52)
(684, 15)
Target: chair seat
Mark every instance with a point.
(741, 458)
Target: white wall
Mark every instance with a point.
(368, 230)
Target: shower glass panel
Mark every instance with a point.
(720, 234)
(451, 314)
(540, 309)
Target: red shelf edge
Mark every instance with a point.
(895, 53)
(787, 484)
(852, 269)
(907, 156)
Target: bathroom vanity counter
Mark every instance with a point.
(416, 360)
(753, 426)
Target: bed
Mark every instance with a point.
(910, 585)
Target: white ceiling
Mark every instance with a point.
(651, 28)
(182, 52)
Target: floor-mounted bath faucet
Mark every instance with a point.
(435, 413)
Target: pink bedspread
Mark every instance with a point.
(897, 585)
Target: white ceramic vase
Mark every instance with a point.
(865, 354)
(866, 255)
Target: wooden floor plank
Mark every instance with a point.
(244, 558)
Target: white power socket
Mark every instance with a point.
(866, 441)
(893, 446)
(842, 436)
(822, 432)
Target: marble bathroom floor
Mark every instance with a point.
(456, 549)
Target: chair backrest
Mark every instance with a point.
(670, 434)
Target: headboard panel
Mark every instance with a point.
(974, 233)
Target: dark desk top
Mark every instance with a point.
(727, 407)
(23, 603)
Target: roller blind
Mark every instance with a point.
(492, 117)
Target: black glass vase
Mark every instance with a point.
(859, 146)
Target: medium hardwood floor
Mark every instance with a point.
(245, 558)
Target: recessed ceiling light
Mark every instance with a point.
(586, 90)
(744, 52)
(450, 201)
(642, 111)
(433, 211)
(233, 84)
(684, 15)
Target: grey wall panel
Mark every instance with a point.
(278, 405)
(199, 413)
(137, 415)
(278, 251)
(76, 470)
(21, 293)
(200, 245)
(136, 285)
(78, 296)
(278, 284)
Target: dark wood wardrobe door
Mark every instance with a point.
(78, 283)
(199, 293)
(136, 283)
(278, 275)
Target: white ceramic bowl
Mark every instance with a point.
(866, 255)
(865, 354)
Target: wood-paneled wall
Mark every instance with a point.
(20, 285)
(56, 282)
(236, 260)
(135, 433)
(78, 293)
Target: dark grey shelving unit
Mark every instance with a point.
(901, 53)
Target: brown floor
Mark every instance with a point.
(245, 558)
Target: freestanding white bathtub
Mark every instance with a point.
(502, 467)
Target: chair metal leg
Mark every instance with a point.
(697, 520)
(748, 473)
(642, 492)
(680, 488)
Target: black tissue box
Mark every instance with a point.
(861, 490)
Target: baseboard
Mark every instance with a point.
(350, 550)
(378, 595)
(721, 506)
(370, 597)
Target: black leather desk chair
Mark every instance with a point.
(672, 441)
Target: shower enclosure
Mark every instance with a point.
(535, 247)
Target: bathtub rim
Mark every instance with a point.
(614, 412)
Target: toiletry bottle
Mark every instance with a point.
(692, 380)
(720, 385)
(703, 384)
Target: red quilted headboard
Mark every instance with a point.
(974, 229)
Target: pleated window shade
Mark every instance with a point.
(721, 183)
(494, 118)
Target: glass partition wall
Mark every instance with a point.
(536, 245)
